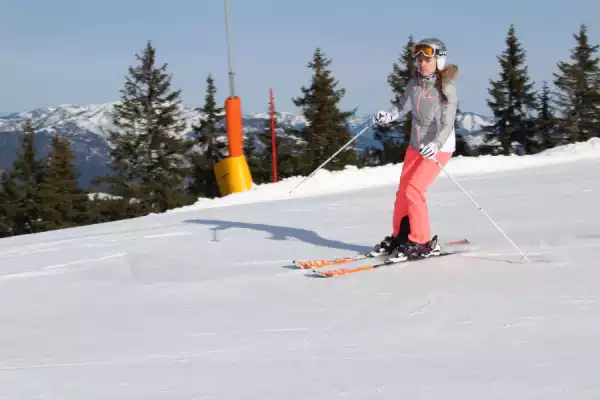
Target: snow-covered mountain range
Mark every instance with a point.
(87, 128)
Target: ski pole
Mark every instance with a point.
(482, 210)
(330, 158)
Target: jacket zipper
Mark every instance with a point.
(420, 116)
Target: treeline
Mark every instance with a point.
(530, 121)
(158, 162)
(527, 121)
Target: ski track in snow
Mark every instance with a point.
(203, 303)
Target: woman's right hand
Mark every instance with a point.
(382, 118)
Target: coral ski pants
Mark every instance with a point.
(417, 174)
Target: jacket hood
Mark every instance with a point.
(449, 73)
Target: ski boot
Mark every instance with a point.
(393, 244)
(413, 251)
(385, 247)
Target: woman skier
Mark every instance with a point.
(430, 95)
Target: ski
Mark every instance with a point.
(345, 271)
(320, 263)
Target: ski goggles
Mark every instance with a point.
(424, 49)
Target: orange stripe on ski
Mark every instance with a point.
(320, 263)
(345, 271)
(459, 241)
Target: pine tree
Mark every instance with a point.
(288, 147)
(578, 94)
(545, 121)
(513, 96)
(258, 149)
(148, 150)
(21, 211)
(7, 225)
(462, 146)
(398, 79)
(63, 203)
(289, 151)
(258, 155)
(211, 149)
(456, 124)
(402, 71)
(326, 131)
(102, 208)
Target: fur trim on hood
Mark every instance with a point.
(449, 73)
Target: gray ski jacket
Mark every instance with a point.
(432, 115)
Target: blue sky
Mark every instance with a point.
(77, 51)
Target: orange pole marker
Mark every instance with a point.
(233, 119)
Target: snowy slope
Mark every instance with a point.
(201, 303)
(325, 182)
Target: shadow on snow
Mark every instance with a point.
(283, 233)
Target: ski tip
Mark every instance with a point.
(306, 264)
(458, 241)
(318, 274)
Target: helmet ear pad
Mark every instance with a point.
(441, 62)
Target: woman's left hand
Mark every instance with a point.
(430, 150)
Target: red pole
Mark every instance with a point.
(273, 138)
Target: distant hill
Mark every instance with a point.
(87, 128)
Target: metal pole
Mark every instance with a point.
(482, 210)
(331, 158)
(231, 74)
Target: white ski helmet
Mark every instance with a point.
(432, 47)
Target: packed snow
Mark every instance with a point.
(204, 302)
(352, 178)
